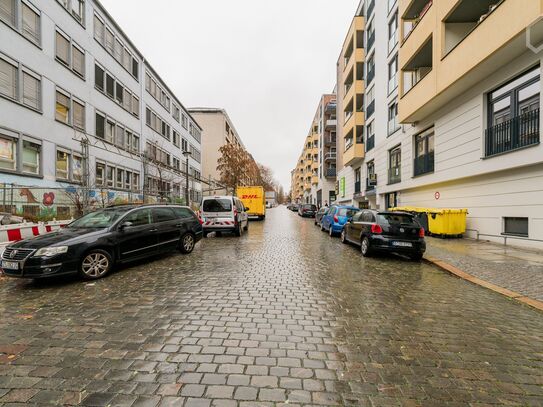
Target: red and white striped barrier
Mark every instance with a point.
(20, 231)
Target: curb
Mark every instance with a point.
(475, 280)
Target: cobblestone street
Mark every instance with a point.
(284, 315)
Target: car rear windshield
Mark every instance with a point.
(347, 212)
(99, 219)
(310, 207)
(217, 205)
(395, 219)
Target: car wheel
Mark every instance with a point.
(204, 234)
(365, 247)
(246, 228)
(95, 264)
(238, 230)
(416, 256)
(187, 244)
(343, 237)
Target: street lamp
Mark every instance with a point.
(187, 154)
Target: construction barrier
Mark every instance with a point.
(20, 231)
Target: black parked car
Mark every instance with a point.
(92, 244)
(374, 231)
(321, 212)
(307, 210)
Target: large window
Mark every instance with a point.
(69, 54)
(116, 133)
(8, 150)
(69, 110)
(8, 79)
(155, 122)
(31, 157)
(116, 91)
(393, 32)
(514, 114)
(155, 89)
(75, 7)
(515, 226)
(424, 152)
(393, 74)
(11, 74)
(62, 165)
(28, 149)
(395, 165)
(27, 22)
(393, 124)
(62, 109)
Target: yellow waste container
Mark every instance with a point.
(441, 222)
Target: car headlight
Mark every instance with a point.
(51, 251)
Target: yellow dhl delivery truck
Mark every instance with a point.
(254, 199)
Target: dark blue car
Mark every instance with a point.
(336, 218)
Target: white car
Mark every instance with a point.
(224, 214)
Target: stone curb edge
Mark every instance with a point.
(475, 280)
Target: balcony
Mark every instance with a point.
(519, 132)
(330, 141)
(370, 143)
(424, 164)
(331, 124)
(330, 173)
(330, 157)
(418, 67)
(414, 15)
(330, 107)
(354, 154)
(371, 183)
(394, 175)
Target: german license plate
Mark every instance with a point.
(10, 265)
(402, 244)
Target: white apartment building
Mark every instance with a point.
(80, 105)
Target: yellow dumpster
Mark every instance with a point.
(440, 222)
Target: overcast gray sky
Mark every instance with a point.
(265, 62)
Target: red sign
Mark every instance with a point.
(437, 195)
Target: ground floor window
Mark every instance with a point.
(8, 153)
(424, 152)
(31, 157)
(515, 226)
(62, 164)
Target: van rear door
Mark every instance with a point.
(217, 212)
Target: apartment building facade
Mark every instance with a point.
(313, 179)
(351, 88)
(80, 106)
(217, 131)
(470, 92)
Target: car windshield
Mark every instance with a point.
(387, 219)
(217, 205)
(348, 212)
(99, 219)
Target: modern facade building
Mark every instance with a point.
(313, 179)
(470, 98)
(217, 131)
(351, 85)
(81, 106)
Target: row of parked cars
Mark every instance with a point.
(93, 244)
(373, 231)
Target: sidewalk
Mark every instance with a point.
(518, 271)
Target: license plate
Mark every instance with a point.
(10, 265)
(402, 244)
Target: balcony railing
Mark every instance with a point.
(371, 75)
(370, 109)
(330, 140)
(371, 40)
(371, 183)
(330, 173)
(410, 25)
(424, 164)
(520, 131)
(394, 175)
(370, 143)
(330, 156)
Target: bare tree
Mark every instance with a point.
(234, 166)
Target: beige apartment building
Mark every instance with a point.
(217, 130)
(470, 104)
(313, 179)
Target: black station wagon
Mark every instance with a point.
(94, 243)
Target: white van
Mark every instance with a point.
(223, 214)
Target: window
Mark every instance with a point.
(7, 11)
(394, 165)
(8, 79)
(76, 8)
(393, 32)
(62, 110)
(100, 126)
(424, 152)
(370, 136)
(119, 178)
(79, 115)
(175, 137)
(184, 122)
(62, 165)
(99, 77)
(99, 30)
(116, 133)
(140, 217)
(62, 49)
(31, 23)
(116, 91)
(31, 157)
(31, 91)
(155, 90)
(514, 114)
(110, 86)
(393, 125)
(156, 123)
(393, 74)
(77, 168)
(109, 175)
(100, 173)
(515, 226)
(8, 148)
(163, 215)
(78, 61)
(27, 23)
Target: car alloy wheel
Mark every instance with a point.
(96, 264)
(187, 243)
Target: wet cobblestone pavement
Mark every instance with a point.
(282, 316)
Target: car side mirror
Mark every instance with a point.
(246, 209)
(125, 225)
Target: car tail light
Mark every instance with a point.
(377, 229)
(336, 219)
(421, 232)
